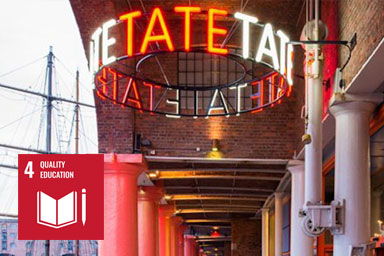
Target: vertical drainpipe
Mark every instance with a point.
(314, 85)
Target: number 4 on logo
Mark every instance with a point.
(28, 170)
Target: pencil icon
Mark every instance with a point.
(83, 206)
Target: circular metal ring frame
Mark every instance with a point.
(278, 99)
(138, 75)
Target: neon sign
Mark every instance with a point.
(263, 63)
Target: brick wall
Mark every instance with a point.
(366, 18)
(272, 133)
(246, 237)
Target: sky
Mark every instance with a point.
(27, 29)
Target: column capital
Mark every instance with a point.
(150, 193)
(347, 102)
(263, 210)
(167, 210)
(177, 220)
(295, 166)
(279, 195)
(129, 164)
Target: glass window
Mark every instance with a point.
(329, 196)
(70, 245)
(4, 240)
(286, 226)
(198, 69)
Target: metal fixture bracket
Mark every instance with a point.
(361, 250)
(319, 218)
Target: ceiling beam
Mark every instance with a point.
(181, 197)
(219, 210)
(210, 226)
(207, 221)
(277, 171)
(166, 175)
(222, 188)
(208, 206)
(214, 239)
(263, 197)
(168, 159)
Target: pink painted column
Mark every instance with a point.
(148, 219)
(175, 226)
(182, 229)
(190, 246)
(120, 204)
(165, 217)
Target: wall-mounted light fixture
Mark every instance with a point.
(215, 152)
(153, 175)
(215, 145)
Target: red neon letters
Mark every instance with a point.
(187, 23)
(156, 16)
(215, 31)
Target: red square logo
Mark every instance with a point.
(61, 197)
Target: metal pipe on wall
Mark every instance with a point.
(313, 150)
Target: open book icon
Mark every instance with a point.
(56, 213)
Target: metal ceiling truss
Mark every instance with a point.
(163, 175)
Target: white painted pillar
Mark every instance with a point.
(278, 223)
(264, 232)
(376, 211)
(352, 172)
(301, 245)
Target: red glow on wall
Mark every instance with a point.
(187, 10)
(130, 30)
(212, 30)
(157, 15)
(329, 10)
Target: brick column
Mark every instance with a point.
(148, 219)
(120, 204)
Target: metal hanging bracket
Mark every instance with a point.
(361, 250)
(319, 218)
